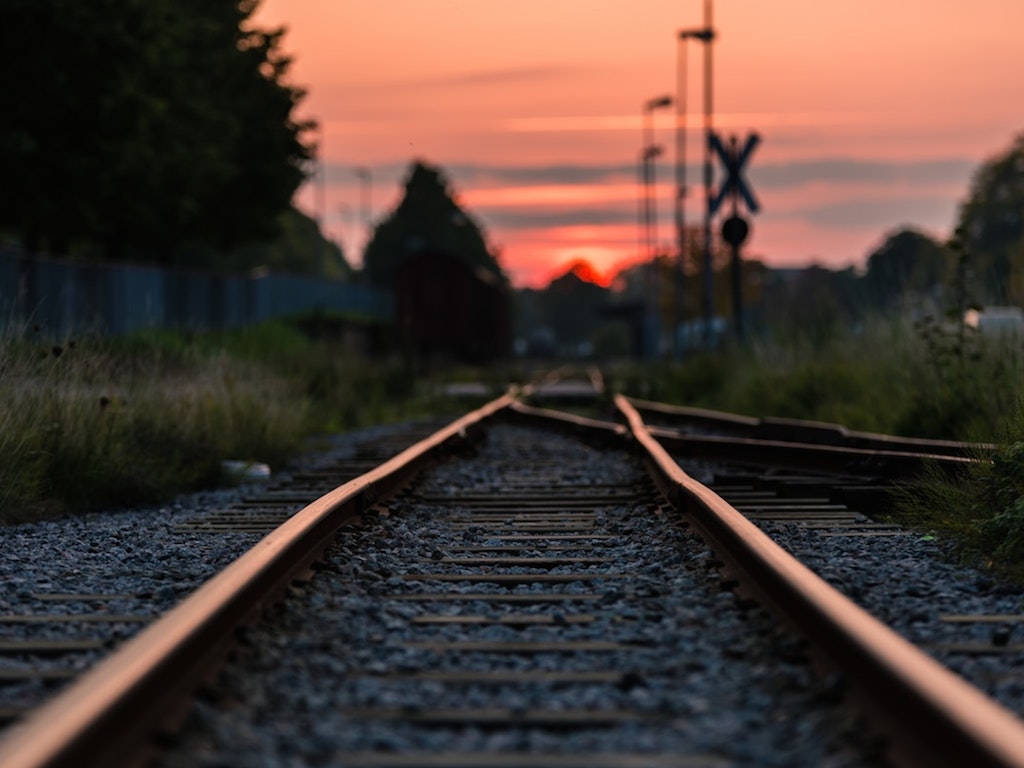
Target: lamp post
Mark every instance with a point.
(705, 35)
(709, 274)
(648, 153)
(366, 189)
(320, 189)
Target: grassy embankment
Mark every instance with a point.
(93, 424)
(925, 381)
(106, 423)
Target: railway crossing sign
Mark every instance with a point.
(735, 230)
(734, 158)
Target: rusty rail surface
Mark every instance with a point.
(802, 431)
(931, 715)
(105, 717)
(890, 464)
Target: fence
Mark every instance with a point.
(66, 297)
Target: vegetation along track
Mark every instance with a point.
(539, 602)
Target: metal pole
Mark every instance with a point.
(709, 276)
(366, 187)
(737, 264)
(648, 133)
(679, 292)
(321, 204)
(653, 205)
(641, 191)
(648, 154)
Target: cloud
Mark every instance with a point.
(881, 214)
(542, 175)
(543, 218)
(486, 77)
(762, 176)
(831, 195)
(498, 76)
(838, 171)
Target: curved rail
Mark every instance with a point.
(933, 717)
(888, 464)
(104, 717)
(802, 431)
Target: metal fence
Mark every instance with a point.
(67, 297)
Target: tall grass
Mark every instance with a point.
(886, 377)
(93, 424)
(925, 380)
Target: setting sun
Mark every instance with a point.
(873, 115)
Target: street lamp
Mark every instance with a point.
(366, 189)
(648, 154)
(705, 35)
(709, 274)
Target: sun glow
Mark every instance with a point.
(555, 92)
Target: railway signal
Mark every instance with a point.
(735, 229)
(734, 159)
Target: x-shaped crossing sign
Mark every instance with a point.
(734, 158)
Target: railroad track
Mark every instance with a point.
(523, 611)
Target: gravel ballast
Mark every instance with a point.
(134, 563)
(708, 676)
(331, 674)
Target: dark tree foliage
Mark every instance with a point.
(572, 307)
(812, 303)
(298, 249)
(908, 262)
(427, 218)
(991, 224)
(134, 126)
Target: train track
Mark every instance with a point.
(541, 601)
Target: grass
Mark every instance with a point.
(94, 424)
(920, 381)
(884, 378)
(100, 423)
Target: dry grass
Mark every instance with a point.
(89, 425)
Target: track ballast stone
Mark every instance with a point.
(332, 671)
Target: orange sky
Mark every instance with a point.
(873, 114)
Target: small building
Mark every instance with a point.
(445, 308)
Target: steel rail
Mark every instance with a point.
(931, 716)
(803, 431)
(888, 464)
(105, 718)
(568, 421)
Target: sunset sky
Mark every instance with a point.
(873, 114)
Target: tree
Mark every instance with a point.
(908, 262)
(137, 125)
(298, 249)
(427, 218)
(572, 305)
(992, 224)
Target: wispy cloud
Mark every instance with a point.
(950, 171)
(843, 171)
(545, 218)
(632, 122)
(499, 76)
(933, 212)
(470, 78)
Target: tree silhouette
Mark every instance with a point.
(426, 219)
(991, 224)
(907, 262)
(134, 126)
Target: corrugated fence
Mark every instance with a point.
(64, 297)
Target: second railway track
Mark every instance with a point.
(542, 603)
